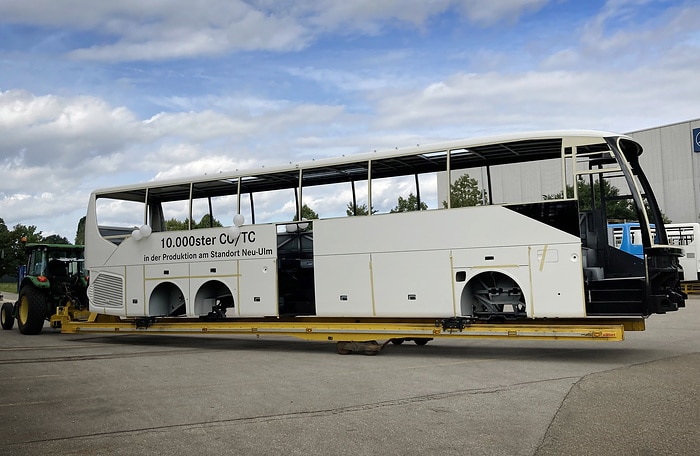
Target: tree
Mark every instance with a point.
(465, 192)
(80, 232)
(12, 245)
(208, 221)
(361, 210)
(55, 239)
(616, 208)
(176, 225)
(306, 213)
(409, 204)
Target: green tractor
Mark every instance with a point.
(53, 281)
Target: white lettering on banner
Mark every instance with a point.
(188, 247)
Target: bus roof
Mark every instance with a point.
(464, 154)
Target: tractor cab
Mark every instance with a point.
(53, 277)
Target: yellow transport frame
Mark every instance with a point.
(353, 334)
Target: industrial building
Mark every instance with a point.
(671, 161)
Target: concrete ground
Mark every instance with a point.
(150, 394)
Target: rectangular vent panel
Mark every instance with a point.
(107, 290)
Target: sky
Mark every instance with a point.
(96, 94)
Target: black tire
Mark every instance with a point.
(32, 310)
(340, 348)
(8, 321)
(422, 340)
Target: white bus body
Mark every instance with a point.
(536, 259)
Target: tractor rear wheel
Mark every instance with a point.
(8, 321)
(32, 310)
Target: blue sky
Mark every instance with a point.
(94, 94)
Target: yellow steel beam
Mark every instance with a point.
(353, 330)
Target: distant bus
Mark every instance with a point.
(627, 237)
(686, 235)
(512, 257)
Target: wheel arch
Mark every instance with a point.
(503, 281)
(166, 299)
(215, 290)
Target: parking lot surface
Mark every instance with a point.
(158, 394)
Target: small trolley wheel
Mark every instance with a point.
(422, 340)
(372, 348)
(397, 341)
(340, 348)
(8, 321)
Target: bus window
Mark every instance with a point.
(116, 219)
(213, 211)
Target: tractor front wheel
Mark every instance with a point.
(8, 321)
(32, 310)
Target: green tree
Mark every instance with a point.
(208, 221)
(306, 213)
(176, 225)
(409, 204)
(615, 208)
(12, 245)
(205, 222)
(80, 232)
(361, 210)
(55, 239)
(465, 192)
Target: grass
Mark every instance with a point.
(8, 287)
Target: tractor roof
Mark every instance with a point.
(35, 245)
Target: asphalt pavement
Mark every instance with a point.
(161, 394)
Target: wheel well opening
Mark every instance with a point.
(493, 295)
(166, 300)
(213, 296)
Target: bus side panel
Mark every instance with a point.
(343, 285)
(413, 284)
(257, 291)
(557, 281)
(468, 227)
(135, 291)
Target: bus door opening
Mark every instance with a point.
(295, 263)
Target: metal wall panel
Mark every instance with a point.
(673, 169)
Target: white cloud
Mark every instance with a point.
(621, 36)
(134, 30)
(45, 129)
(618, 99)
(252, 31)
(371, 16)
(488, 12)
